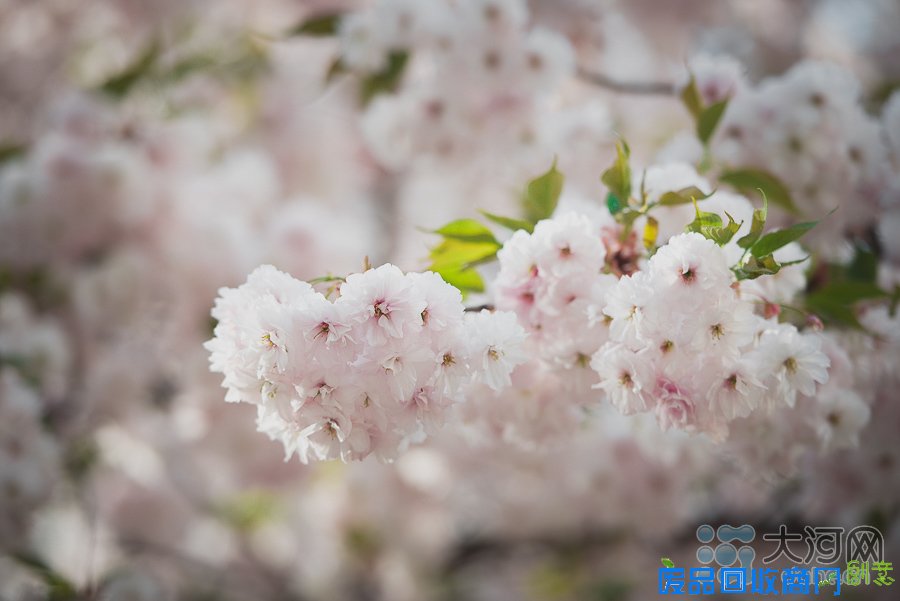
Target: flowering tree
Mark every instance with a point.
(566, 352)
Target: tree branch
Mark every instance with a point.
(646, 88)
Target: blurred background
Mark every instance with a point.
(153, 152)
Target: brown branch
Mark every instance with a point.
(479, 308)
(647, 88)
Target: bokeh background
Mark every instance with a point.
(153, 152)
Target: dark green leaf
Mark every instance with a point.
(709, 120)
(120, 84)
(751, 181)
(864, 267)
(9, 152)
(618, 177)
(779, 238)
(385, 80)
(509, 222)
(848, 292)
(468, 230)
(682, 197)
(319, 25)
(833, 310)
(542, 195)
(757, 226)
(691, 99)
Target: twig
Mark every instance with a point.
(647, 88)
(479, 308)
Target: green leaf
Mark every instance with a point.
(318, 26)
(11, 151)
(385, 80)
(848, 292)
(864, 267)
(60, 588)
(779, 238)
(466, 280)
(833, 310)
(667, 562)
(468, 230)
(651, 231)
(249, 510)
(704, 223)
(723, 235)
(618, 177)
(756, 226)
(755, 267)
(690, 97)
(542, 195)
(462, 253)
(709, 120)
(454, 259)
(755, 181)
(121, 84)
(509, 222)
(336, 69)
(682, 197)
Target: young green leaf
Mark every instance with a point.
(509, 222)
(772, 241)
(682, 197)
(618, 177)
(542, 194)
(667, 562)
(690, 97)
(755, 267)
(709, 120)
(704, 222)
(463, 253)
(466, 280)
(757, 225)
(463, 247)
(723, 235)
(318, 26)
(755, 181)
(468, 230)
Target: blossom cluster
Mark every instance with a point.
(478, 73)
(549, 278)
(365, 374)
(809, 129)
(686, 345)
